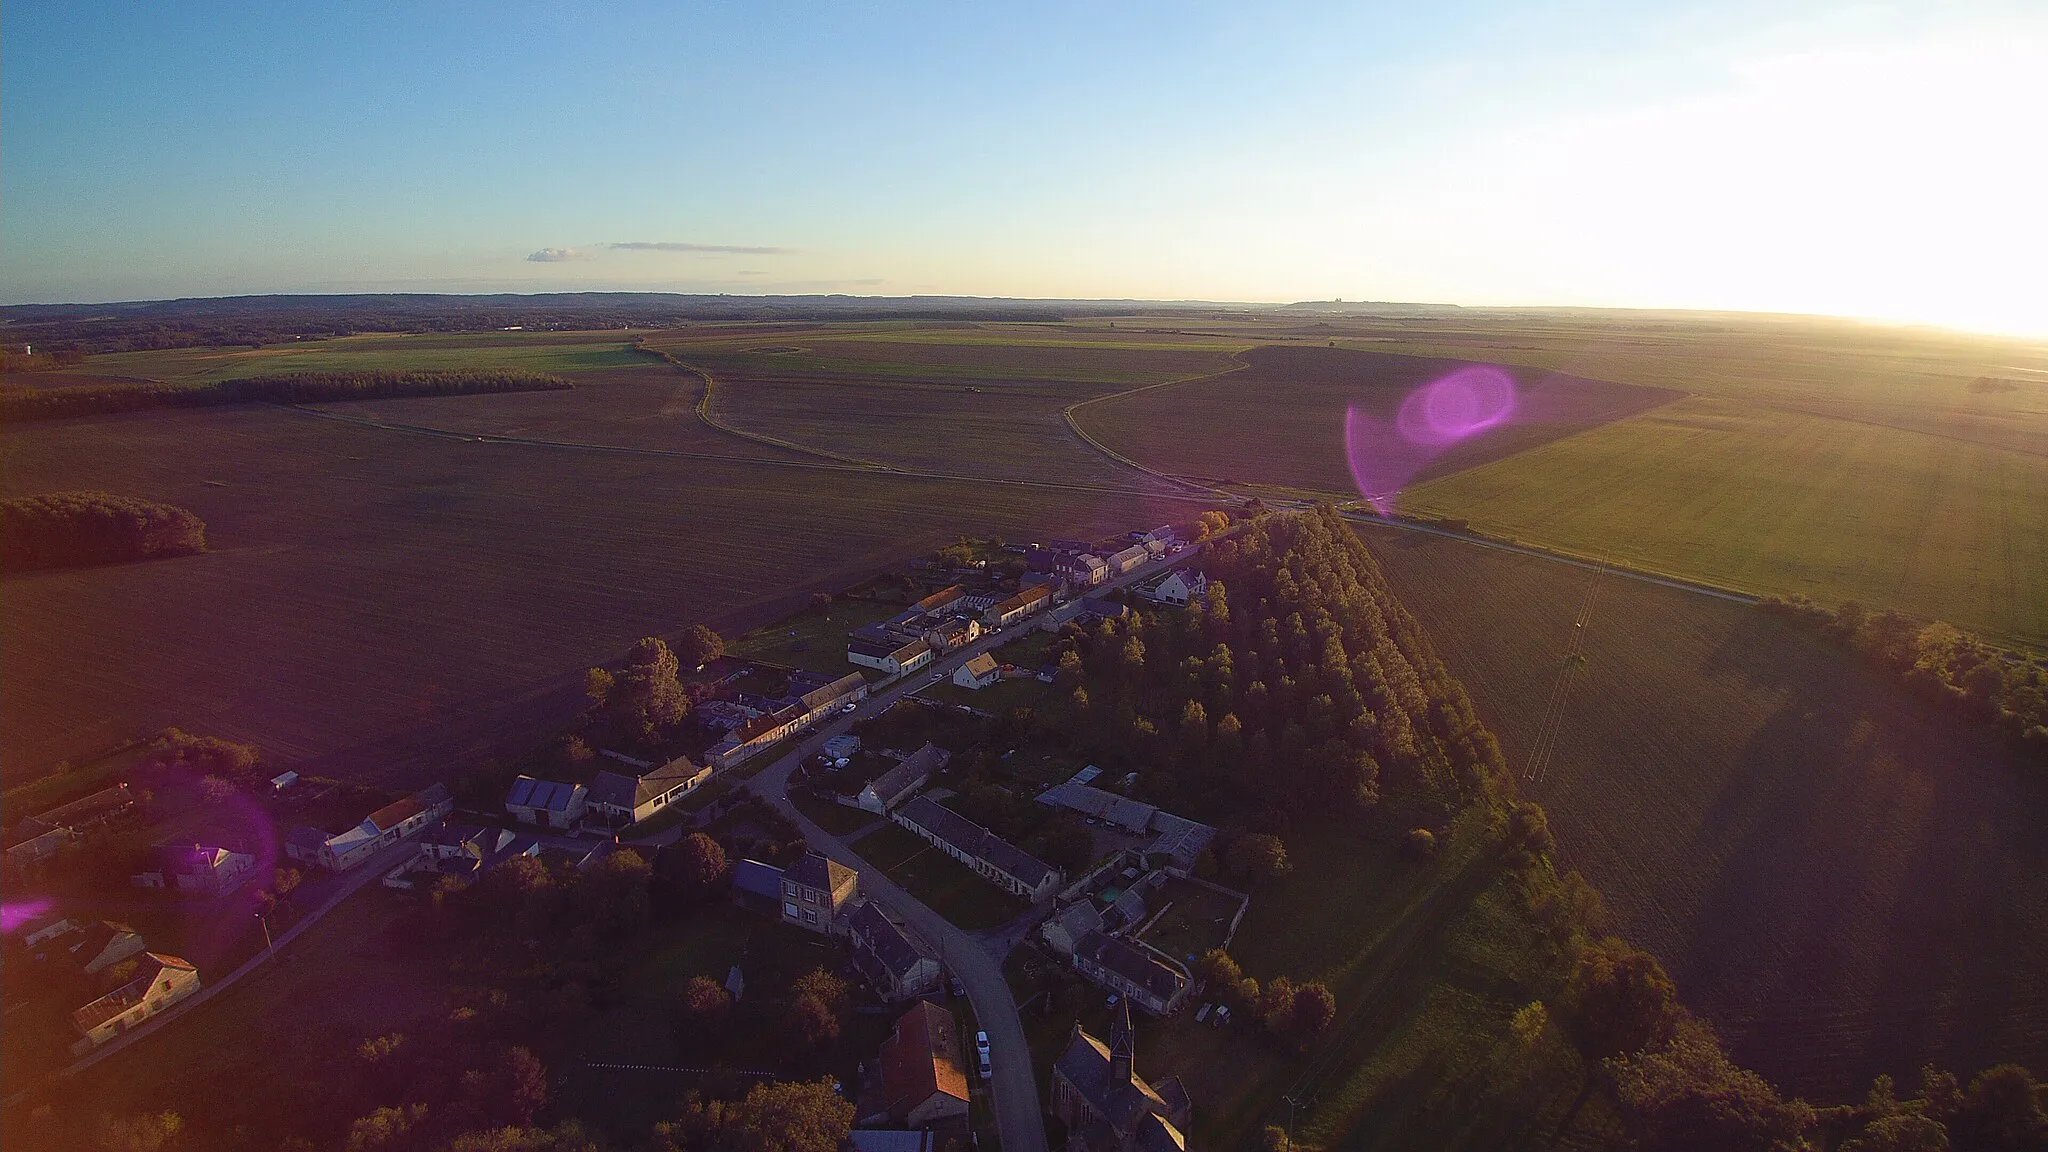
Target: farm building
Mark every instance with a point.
(886, 956)
(1107, 1106)
(890, 657)
(816, 892)
(82, 814)
(1128, 559)
(757, 887)
(1031, 600)
(1137, 973)
(161, 982)
(95, 948)
(995, 859)
(893, 787)
(943, 598)
(1120, 811)
(921, 1077)
(195, 869)
(548, 803)
(978, 673)
(621, 798)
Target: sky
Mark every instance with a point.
(1872, 160)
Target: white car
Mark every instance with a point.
(981, 1049)
(851, 708)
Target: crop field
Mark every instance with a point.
(385, 607)
(1280, 421)
(1843, 879)
(1782, 502)
(931, 403)
(529, 351)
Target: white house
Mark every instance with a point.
(622, 798)
(1177, 589)
(978, 673)
(1128, 560)
(161, 982)
(890, 657)
(1036, 598)
(387, 825)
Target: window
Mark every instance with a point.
(790, 910)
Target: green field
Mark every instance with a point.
(531, 351)
(1845, 880)
(1777, 502)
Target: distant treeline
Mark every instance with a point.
(73, 529)
(1941, 662)
(23, 404)
(253, 321)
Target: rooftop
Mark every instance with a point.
(550, 795)
(976, 841)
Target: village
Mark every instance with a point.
(884, 807)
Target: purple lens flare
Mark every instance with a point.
(15, 913)
(1446, 411)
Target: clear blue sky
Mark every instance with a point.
(1860, 159)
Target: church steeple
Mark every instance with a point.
(1123, 1045)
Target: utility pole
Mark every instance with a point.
(268, 947)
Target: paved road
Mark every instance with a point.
(976, 959)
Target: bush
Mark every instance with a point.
(74, 529)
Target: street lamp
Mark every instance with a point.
(268, 947)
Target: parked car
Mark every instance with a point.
(1111, 1002)
(958, 988)
(981, 1049)
(851, 708)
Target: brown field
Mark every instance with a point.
(1280, 420)
(383, 606)
(1843, 879)
(979, 408)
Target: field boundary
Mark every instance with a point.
(711, 421)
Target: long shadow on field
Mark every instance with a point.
(1878, 888)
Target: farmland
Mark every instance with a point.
(1280, 421)
(1843, 880)
(378, 606)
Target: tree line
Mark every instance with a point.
(76, 529)
(1940, 662)
(19, 405)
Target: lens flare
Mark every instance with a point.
(1446, 411)
(15, 913)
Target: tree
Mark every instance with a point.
(522, 1086)
(648, 696)
(1622, 999)
(821, 603)
(705, 1003)
(1257, 856)
(1313, 1011)
(1419, 843)
(1274, 1139)
(810, 1027)
(1531, 1021)
(2001, 1113)
(700, 645)
(1528, 830)
(386, 1129)
(202, 756)
(1902, 1132)
(824, 987)
(783, 1116)
(598, 686)
(150, 1132)
(616, 891)
(695, 865)
(1686, 1096)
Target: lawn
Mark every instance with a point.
(949, 887)
(1844, 880)
(1196, 919)
(813, 640)
(1770, 501)
(831, 815)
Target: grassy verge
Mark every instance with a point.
(944, 884)
(813, 640)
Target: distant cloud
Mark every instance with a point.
(679, 246)
(557, 255)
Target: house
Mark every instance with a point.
(893, 787)
(1177, 589)
(922, 1077)
(1086, 569)
(47, 928)
(24, 856)
(1107, 1106)
(890, 657)
(1034, 599)
(841, 747)
(1166, 536)
(952, 634)
(996, 860)
(885, 955)
(978, 673)
(196, 869)
(757, 887)
(549, 803)
(162, 981)
(815, 893)
(1067, 926)
(1128, 559)
(453, 850)
(1137, 973)
(943, 598)
(96, 947)
(1103, 608)
(387, 825)
(763, 731)
(621, 798)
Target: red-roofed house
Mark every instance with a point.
(923, 1074)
